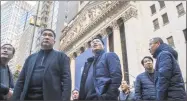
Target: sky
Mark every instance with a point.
(30, 2)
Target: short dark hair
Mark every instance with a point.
(142, 62)
(49, 30)
(157, 39)
(99, 39)
(75, 90)
(11, 46)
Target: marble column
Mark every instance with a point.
(132, 35)
(117, 44)
(72, 68)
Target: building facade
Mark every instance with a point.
(48, 13)
(66, 12)
(43, 15)
(13, 18)
(53, 17)
(126, 27)
(23, 41)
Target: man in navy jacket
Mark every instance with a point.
(169, 81)
(101, 76)
(145, 88)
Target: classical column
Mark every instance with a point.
(72, 68)
(104, 34)
(131, 34)
(117, 44)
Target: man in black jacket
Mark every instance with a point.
(144, 87)
(45, 74)
(6, 80)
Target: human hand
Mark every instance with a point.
(9, 95)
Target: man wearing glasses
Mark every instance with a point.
(6, 78)
(101, 76)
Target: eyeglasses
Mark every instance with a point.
(95, 41)
(7, 48)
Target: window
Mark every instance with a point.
(153, 9)
(165, 18)
(162, 4)
(180, 9)
(156, 24)
(170, 41)
(185, 36)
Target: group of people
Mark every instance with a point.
(46, 75)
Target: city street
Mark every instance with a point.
(125, 27)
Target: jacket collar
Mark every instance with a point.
(45, 51)
(99, 52)
(91, 59)
(158, 50)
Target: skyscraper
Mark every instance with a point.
(48, 13)
(12, 19)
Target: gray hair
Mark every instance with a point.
(157, 39)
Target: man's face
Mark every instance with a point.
(96, 44)
(148, 64)
(47, 40)
(75, 94)
(153, 46)
(124, 85)
(7, 52)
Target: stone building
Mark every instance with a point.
(126, 27)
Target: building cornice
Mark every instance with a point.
(90, 18)
(85, 20)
